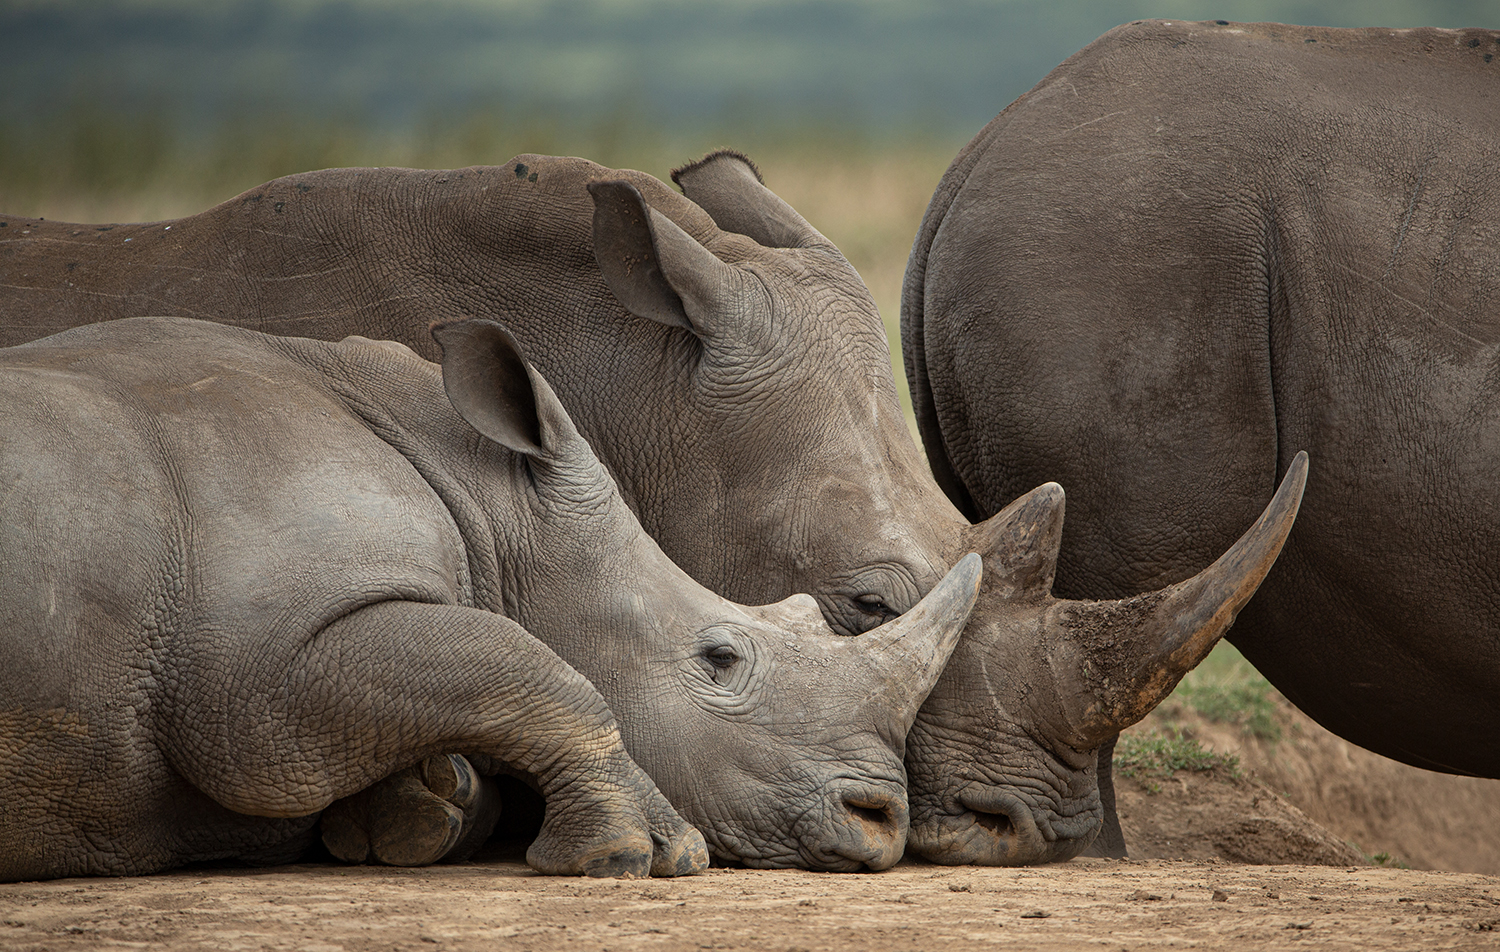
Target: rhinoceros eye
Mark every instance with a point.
(875, 607)
(722, 657)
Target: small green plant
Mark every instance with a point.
(1226, 689)
(1156, 756)
(1386, 859)
(1248, 704)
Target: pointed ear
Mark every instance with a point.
(657, 270)
(1020, 542)
(490, 385)
(728, 186)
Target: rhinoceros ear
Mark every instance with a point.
(728, 186)
(1020, 542)
(491, 386)
(657, 270)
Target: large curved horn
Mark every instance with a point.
(915, 647)
(1134, 651)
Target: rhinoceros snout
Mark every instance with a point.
(866, 827)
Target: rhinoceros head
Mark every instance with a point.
(776, 371)
(779, 739)
(1002, 759)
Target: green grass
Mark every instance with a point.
(1383, 858)
(1157, 756)
(1226, 689)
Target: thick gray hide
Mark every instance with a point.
(245, 576)
(763, 446)
(743, 402)
(1196, 248)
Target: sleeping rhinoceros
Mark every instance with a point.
(1195, 248)
(741, 395)
(244, 576)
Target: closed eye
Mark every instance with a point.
(874, 605)
(722, 656)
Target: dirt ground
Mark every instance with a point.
(1089, 904)
(1275, 857)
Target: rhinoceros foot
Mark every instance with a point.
(625, 831)
(684, 854)
(440, 809)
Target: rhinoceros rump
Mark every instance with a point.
(247, 575)
(1195, 248)
(741, 397)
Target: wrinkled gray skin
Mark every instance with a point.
(249, 575)
(1196, 248)
(741, 395)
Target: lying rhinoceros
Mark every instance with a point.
(741, 395)
(1195, 248)
(245, 576)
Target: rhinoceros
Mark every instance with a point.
(731, 370)
(245, 576)
(1195, 248)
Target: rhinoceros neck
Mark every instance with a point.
(549, 541)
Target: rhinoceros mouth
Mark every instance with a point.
(992, 826)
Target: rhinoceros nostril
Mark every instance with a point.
(993, 811)
(878, 818)
(869, 827)
(997, 823)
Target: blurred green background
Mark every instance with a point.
(100, 97)
(118, 110)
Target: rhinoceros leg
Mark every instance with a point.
(1111, 839)
(393, 683)
(440, 809)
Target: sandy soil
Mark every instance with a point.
(1090, 904)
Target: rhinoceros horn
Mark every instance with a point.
(1131, 653)
(916, 646)
(1020, 544)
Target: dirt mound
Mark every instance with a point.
(1304, 795)
(1213, 815)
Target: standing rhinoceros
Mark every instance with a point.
(1195, 248)
(246, 575)
(741, 395)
